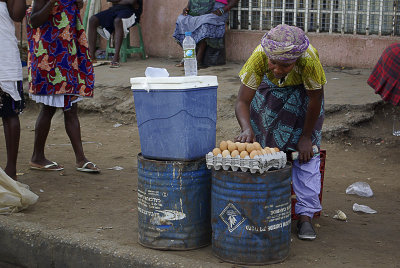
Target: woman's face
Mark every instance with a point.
(279, 68)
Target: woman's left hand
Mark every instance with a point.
(304, 146)
(79, 4)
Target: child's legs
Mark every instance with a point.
(306, 180)
(12, 134)
(73, 129)
(42, 129)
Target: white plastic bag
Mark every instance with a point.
(363, 208)
(360, 188)
(14, 196)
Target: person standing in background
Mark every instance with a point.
(12, 100)
(60, 74)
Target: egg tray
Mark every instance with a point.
(260, 163)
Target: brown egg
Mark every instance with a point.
(263, 152)
(253, 153)
(257, 146)
(268, 150)
(237, 143)
(244, 154)
(229, 141)
(241, 147)
(232, 147)
(235, 153)
(249, 147)
(216, 151)
(276, 149)
(225, 153)
(223, 145)
(272, 150)
(259, 152)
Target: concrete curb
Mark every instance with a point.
(30, 245)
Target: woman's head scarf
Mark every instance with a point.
(285, 43)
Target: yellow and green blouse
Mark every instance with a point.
(307, 71)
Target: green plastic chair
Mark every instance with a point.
(126, 48)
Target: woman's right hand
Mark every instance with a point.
(185, 11)
(246, 135)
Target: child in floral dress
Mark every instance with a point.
(60, 74)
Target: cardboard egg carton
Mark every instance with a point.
(258, 164)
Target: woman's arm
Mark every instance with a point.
(229, 6)
(304, 145)
(16, 9)
(41, 10)
(242, 111)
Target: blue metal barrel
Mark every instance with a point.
(251, 216)
(174, 204)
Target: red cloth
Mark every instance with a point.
(385, 78)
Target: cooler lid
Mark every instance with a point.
(179, 82)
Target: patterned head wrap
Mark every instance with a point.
(285, 43)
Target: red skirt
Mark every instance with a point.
(385, 78)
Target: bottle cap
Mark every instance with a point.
(188, 33)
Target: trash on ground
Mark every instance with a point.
(117, 125)
(14, 196)
(340, 215)
(116, 168)
(360, 188)
(41, 191)
(363, 208)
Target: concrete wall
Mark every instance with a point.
(158, 24)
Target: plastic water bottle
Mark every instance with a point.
(189, 55)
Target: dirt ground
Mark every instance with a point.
(104, 206)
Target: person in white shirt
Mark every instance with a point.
(11, 95)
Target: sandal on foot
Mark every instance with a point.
(85, 168)
(115, 64)
(50, 167)
(305, 231)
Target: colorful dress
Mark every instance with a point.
(59, 67)
(278, 109)
(384, 79)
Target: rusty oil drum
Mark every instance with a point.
(251, 216)
(174, 204)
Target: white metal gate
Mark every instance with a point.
(365, 17)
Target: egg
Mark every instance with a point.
(263, 151)
(241, 147)
(223, 145)
(216, 151)
(253, 153)
(232, 147)
(235, 153)
(249, 147)
(276, 149)
(244, 154)
(229, 141)
(268, 150)
(257, 146)
(225, 153)
(259, 152)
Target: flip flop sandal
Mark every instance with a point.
(114, 64)
(84, 168)
(50, 167)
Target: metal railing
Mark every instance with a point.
(365, 17)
